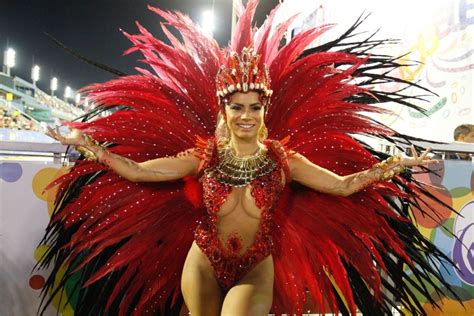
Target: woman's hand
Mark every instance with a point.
(416, 160)
(75, 137)
(83, 143)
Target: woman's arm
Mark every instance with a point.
(156, 170)
(320, 179)
(161, 169)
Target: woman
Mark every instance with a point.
(252, 292)
(249, 241)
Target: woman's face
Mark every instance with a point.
(244, 115)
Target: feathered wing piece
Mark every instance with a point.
(344, 253)
(129, 240)
(118, 248)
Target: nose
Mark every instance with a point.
(245, 115)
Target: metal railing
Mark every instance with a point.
(53, 151)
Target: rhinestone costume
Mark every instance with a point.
(228, 264)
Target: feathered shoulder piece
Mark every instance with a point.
(206, 151)
(281, 153)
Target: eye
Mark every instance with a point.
(256, 108)
(235, 107)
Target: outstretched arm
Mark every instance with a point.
(161, 169)
(322, 180)
(156, 170)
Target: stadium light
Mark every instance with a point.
(207, 23)
(9, 59)
(54, 85)
(35, 74)
(67, 92)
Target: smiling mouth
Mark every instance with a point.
(246, 126)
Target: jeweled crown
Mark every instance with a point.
(242, 74)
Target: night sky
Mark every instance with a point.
(92, 28)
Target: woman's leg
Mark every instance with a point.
(253, 295)
(201, 292)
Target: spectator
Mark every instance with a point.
(8, 122)
(16, 122)
(463, 133)
(2, 118)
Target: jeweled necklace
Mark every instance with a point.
(240, 171)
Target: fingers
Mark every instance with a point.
(56, 134)
(413, 152)
(417, 160)
(48, 131)
(51, 133)
(425, 153)
(423, 156)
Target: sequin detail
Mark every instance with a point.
(229, 266)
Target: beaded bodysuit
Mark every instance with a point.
(229, 265)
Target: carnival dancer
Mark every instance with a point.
(232, 176)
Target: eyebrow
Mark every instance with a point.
(235, 103)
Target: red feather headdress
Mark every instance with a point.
(243, 73)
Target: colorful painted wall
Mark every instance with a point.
(24, 214)
(437, 33)
(454, 185)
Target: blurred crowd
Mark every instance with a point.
(55, 103)
(15, 120)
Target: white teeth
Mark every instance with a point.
(245, 126)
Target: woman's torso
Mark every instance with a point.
(238, 215)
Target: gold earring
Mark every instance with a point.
(222, 131)
(226, 131)
(262, 133)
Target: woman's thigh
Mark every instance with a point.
(199, 286)
(253, 295)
